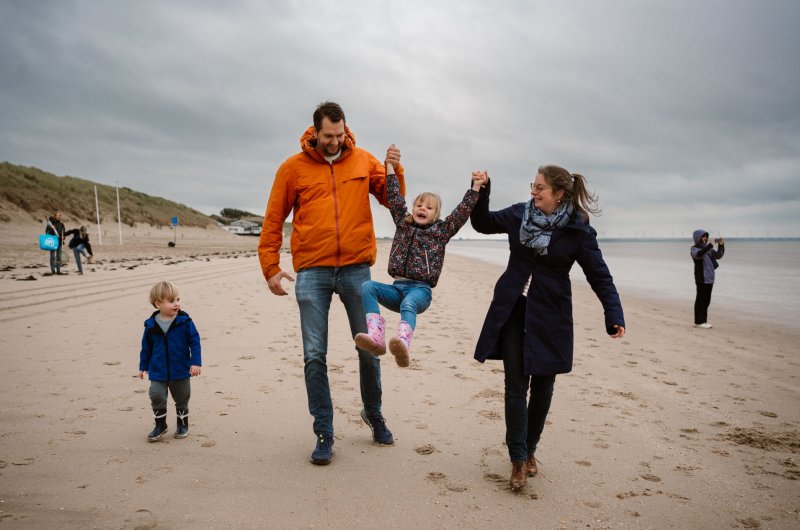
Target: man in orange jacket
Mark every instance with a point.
(327, 185)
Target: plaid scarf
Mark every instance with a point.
(536, 227)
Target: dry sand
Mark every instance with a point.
(669, 427)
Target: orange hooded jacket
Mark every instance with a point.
(332, 222)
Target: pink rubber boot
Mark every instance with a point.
(373, 340)
(401, 344)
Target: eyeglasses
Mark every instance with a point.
(539, 187)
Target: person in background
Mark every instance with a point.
(529, 322)
(80, 245)
(56, 228)
(705, 263)
(327, 187)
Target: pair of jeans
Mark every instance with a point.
(407, 297)
(181, 390)
(55, 261)
(77, 251)
(701, 302)
(524, 419)
(314, 290)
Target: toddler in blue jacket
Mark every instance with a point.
(171, 356)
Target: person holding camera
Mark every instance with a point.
(705, 262)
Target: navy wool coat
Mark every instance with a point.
(548, 342)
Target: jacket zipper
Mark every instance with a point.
(166, 343)
(410, 245)
(427, 264)
(336, 216)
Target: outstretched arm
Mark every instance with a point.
(460, 214)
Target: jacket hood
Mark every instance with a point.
(697, 235)
(308, 143)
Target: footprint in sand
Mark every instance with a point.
(768, 414)
(441, 479)
(651, 477)
(142, 520)
(24, 462)
(426, 449)
(111, 363)
(585, 463)
(206, 442)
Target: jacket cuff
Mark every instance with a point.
(271, 271)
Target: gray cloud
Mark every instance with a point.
(680, 114)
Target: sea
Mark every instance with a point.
(758, 279)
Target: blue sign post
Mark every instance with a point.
(175, 230)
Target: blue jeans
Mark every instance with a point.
(314, 290)
(407, 297)
(524, 420)
(77, 251)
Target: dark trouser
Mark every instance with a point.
(701, 302)
(181, 390)
(524, 419)
(55, 260)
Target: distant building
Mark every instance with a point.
(244, 227)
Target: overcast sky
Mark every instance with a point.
(681, 114)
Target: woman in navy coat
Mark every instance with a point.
(529, 323)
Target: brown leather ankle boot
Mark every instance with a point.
(530, 463)
(519, 475)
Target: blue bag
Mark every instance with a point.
(48, 242)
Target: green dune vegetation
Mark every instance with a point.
(30, 193)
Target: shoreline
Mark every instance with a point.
(669, 427)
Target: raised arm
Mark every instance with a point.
(377, 178)
(397, 203)
(460, 214)
(482, 219)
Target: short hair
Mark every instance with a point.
(163, 291)
(330, 110)
(427, 196)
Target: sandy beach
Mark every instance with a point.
(671, 427)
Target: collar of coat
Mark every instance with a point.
(308, 143)
(180, 318)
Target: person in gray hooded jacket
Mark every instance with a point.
(705, 262)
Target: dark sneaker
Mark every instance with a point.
(380, 434)
(323, 452)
